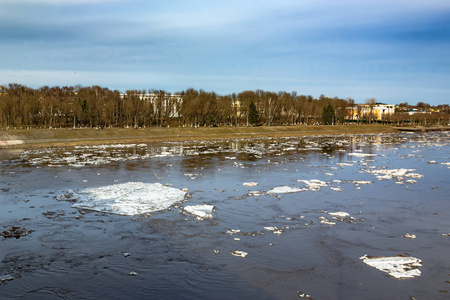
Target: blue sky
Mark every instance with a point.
(394, 51)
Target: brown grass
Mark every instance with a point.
(88, 136)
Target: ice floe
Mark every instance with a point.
(275, 230)
(399, 174)
(357, 154)
(285, 190)
(400, 267)
(233, 231)
(339, 214)
(128, 198)
(201, 211)
(250, 184)
(410, 236)
(313, 184)
(238, 253)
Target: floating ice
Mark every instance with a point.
(285, 190)
(129, 198)
(336, 189)
(410, 236)
(275, 230)
(340, 214)
(399, 267)
(361, 154)
(201, 211)
(325, 221)
(314, 184)
(344, 165)
(6, 278)
(386, 174)
(238, 253)
(233, 231)
(250, 184)
(255, 193)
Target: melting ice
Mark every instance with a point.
(130, 198)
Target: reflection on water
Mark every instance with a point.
(389, 185)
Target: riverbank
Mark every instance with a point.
(36, 138)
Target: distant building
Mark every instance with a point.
(379, 111)
(166, 102)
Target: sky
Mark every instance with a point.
(391, 50)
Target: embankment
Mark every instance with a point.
(31, 138)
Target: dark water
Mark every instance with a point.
(74, 254)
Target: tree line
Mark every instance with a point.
(95, 106)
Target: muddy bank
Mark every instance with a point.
(36, 138)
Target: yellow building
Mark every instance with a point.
(378, 111)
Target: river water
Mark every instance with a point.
(389, 184)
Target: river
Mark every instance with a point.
(273, 205)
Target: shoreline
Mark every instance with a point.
(40, 138)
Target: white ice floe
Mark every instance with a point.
(410, 236)
(336, 189)
(339, 214)
(275, 230)
(387, 174)
(325, 221)
(357, 182)
(446, 163)
(255, 193)
(399, 267)
(361, 154)
(344, 165)
(201, 211)
(313, 184)
(233, 231)
(250, 184)
(285, 190)
(128, 198)
(238, 253)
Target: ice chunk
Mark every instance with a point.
(285, 189)
(129, 198)
(410, 236)
(275, 230)
(201, 211)
(361, 154)
(250, 184)
(6, 278)
(314, 184)
(340, 214)
(255, 193)
(238, 253)
(386, 174)
(399, 266)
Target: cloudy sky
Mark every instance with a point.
(393, 50)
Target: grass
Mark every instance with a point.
(85, 136)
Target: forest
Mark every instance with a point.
(99, 107)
